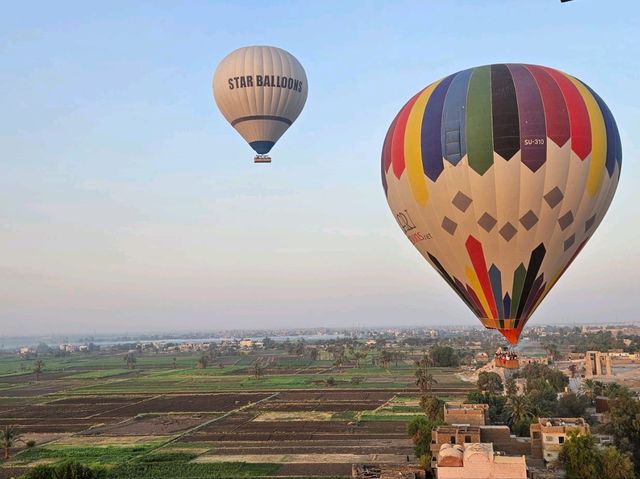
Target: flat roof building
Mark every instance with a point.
(505, 442)
(549, 433)
(463, 413)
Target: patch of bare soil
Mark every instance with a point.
(194, 403)
(302, 470)
(150, 425)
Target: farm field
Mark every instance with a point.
(166, 418)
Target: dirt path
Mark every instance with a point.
(385, 404)
(125, 405)
(202, 426)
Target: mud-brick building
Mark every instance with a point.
(549, 434)
(463, 413)
(505, 442)
(458, 434)
(597, 364)
(478, 461)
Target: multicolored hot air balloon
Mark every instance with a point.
(260, 91)
(499, 175)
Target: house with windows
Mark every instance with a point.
(463, 413)
(457, 434)
(549, 434)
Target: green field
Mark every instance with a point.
(155, 419)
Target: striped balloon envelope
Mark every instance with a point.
(499, 175)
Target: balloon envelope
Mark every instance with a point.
(499, 175)
(261, 91)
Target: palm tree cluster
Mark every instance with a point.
(592, 389)
(518, 409)
(258, 369)
(384, 358)
(203, 362)
(424, 379)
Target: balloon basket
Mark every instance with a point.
(262, 159)
(507, 363)
(506, 359)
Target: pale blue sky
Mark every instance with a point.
(127, 203)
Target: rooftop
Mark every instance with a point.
(457, 429)
(478, 461)
(561, 421)
(465, 406)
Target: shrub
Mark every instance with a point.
(66, 470)
(40, 472)
(73, 470)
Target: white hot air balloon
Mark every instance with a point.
(261, 91)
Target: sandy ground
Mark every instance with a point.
(294, 416)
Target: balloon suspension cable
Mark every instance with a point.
(262, 159)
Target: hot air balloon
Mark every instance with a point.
(261, 91)
(499, 175)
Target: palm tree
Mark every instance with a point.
(397, 356)
(130, 360)
(299, 348)
(552, 350)
(313, 354)
(38, 366)
(424, 379)
(511, 387)
(9, 435)
(385, 358)
(518, 409)
(338, 356)
(174, 363)
(203, 362)
(214, 351)
(541, 408)
(258, 369)
(611, 389)
(591, 389)
(359, 355)
(433, 407)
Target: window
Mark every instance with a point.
(453, 439)
(467, 439)
(536, 435)
(561, 439)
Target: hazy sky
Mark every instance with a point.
(127, 203)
